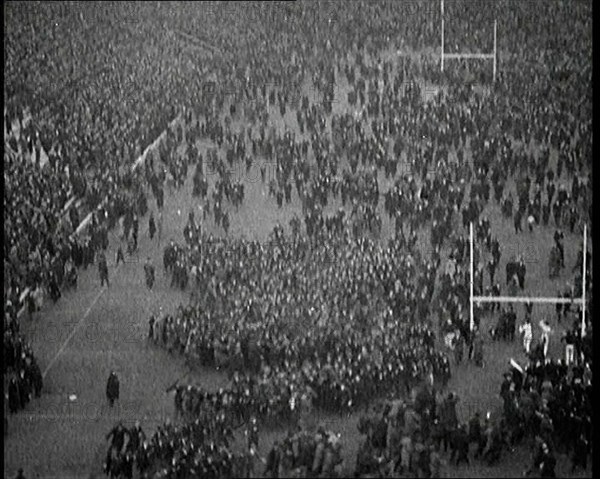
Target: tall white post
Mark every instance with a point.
(442, 43)
(583, 306)
(442, 14)
(472, 319)
(495, 54)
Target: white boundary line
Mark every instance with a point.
(85, 315)
(77, 326)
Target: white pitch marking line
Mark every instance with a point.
(77, 326)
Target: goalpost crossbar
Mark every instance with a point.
(522, 299)
(469, 55)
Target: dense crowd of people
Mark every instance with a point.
(344, 355)
(22, 375)
(551, 401)
(327, 314)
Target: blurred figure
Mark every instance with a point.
(112, 388)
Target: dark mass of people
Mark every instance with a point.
(341, 305)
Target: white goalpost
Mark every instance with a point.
(521, 299)
(489, 56)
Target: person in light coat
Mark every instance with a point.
(527, 332)
(545, 337)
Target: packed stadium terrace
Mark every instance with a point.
(338, 310)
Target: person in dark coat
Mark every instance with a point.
(517, 221)
(475, 433)
(149, 271)
(53, 288)
(120, 255)
(151, 329)
(112, 388)
(118, 435)
(135, 227)
(448, 419)
(36, 377)
(136, 437)
(580, 453)
(24, 389)
(548, 463)
(103, 270)
(151, 226)
(460, 449)
(13, 396)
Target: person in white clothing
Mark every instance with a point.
(527, 332)
(545, 337)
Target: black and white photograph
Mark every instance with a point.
(311, 239)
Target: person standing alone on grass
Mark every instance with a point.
(120, 255)
(159, 226)
(112, 388)
(149, 271)
(151, 329)
(151, 226)
(103, 270)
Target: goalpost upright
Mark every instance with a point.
(472, 316)
(442, 9)
(583, 280)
